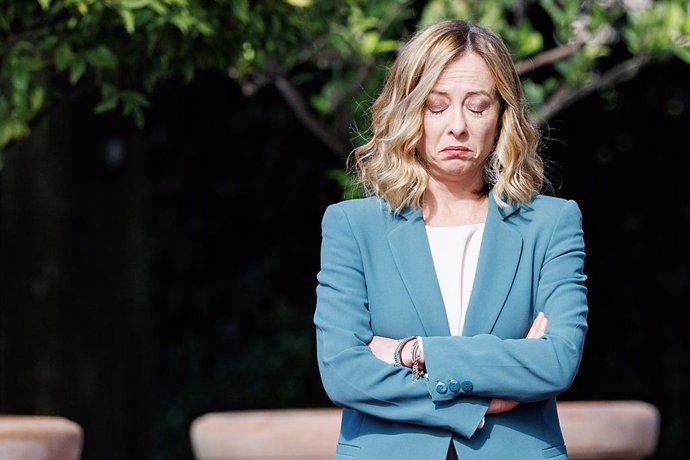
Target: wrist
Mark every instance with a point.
(418, 367)
(406, 353)
(399, 357)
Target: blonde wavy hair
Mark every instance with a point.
(388, 165)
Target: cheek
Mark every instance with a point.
(422, 144)
(488, 135)
(430, 131)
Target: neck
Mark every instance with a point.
(454, 204)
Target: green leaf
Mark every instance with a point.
(102, 57)
(204, 28)
(550, 85)
(63, 56)
(534, 93)
(387, 46)
(83, 8)
(319, 103)
(36, 100)
(529, 41)
(107, 103)
(12, 129)
(240, 10)
(19, 94)
(347, 183)
(181, 22)
(135, 4)
(133, 103)
(48, 43)
(299, 3)
(76, 70)
(682, 53)
(188, 71)
(128, 20)
(134, 97)
(369, 43)
(45, 4)
(20, 79)
(158, 7)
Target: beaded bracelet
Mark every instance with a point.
(418, 369)
(397, 359)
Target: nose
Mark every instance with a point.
(458, 126)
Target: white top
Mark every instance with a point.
(455, 251)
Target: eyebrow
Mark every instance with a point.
(470, 93)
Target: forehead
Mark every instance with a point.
(467, 73)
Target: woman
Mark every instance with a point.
(451, 303)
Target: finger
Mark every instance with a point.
(539, 326)
(497, 405)
(540, 330)
(494, 406)
(542, 327)
(534, 329)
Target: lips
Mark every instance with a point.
(456, 149)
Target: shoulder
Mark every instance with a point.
(365, 218)
(361, 205)
(550, 208)
(546, 216)
(359, 210)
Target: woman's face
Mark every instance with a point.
(460, 121)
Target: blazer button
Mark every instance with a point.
(453, 385)
(441, 388)
(467, 386)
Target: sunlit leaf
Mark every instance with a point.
(12, 129)
(36, 99)
(386, 46)
(369, 42)
(135, 4)
(128, 20)
(299, 3)
(682, 53)
(529, 41)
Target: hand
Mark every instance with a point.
(538, 328)
(497, 405)
(383, 348)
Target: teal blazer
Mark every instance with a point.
(377, 278)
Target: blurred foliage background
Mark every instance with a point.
(165, 165)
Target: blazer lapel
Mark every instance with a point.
(410, 248)
(499, 256)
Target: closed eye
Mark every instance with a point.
(436, 111)
(478, 108)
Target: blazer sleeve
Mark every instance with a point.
(352, 376)
(525, 370)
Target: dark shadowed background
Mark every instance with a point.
(148, 276)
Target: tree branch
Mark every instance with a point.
(564, 97)
(296, 102)
(366, 67)
(342, 97)
(547, 57)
